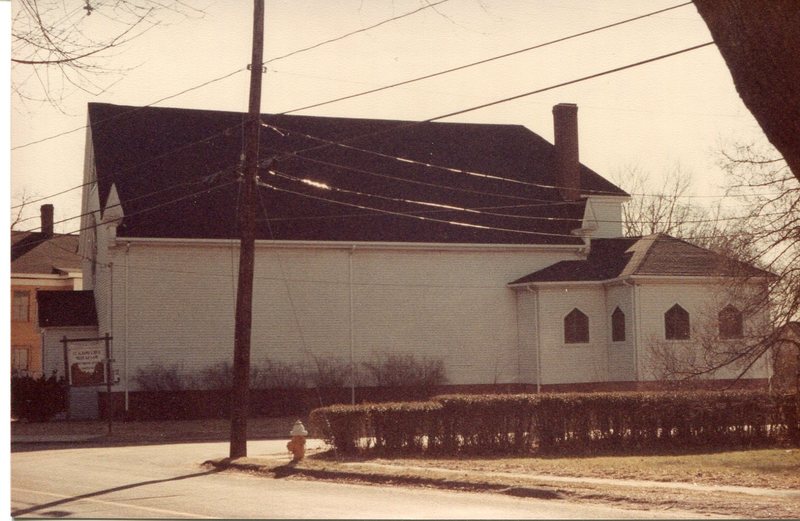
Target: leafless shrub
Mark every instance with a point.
(156, 377)
(276, 375)
(396, 370)
(329, 372)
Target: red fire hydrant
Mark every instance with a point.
(297, 446)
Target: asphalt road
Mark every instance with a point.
(167, 481)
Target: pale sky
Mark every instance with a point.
(676, 111)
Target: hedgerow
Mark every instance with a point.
(569, 423)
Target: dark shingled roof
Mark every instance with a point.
(66, 308)
(150, 154)
(658, 255)
(33, 252)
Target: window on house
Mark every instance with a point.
(20, 305)
(730, 322)
(676, 323)
(19, 359)
(617, 326)
(576, 327)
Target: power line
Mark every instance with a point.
(361, 30)
(129, 167)
(429, 204)
(227, 75)
(460, 170)
(571, 82)
(199, 86)
(500, 101)
(481, 62)
(441, 207)
(413, 216)
(433, 185)
(145, 210)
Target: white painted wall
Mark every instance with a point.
(703, 300)
(621, 354)
(448, 303)
(573, 363)
(605, 212)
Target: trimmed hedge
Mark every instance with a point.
(570, 423)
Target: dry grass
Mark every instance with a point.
(774, 468)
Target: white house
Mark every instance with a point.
(483, 246)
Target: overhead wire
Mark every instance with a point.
(428, 5)
(241, 69)
(428, 204)
(130, 167)
(455, 170)
(412, 216)
(415, 123)
(136, 109)
(411, 124)
(139, 212)
(442, 207)
(487, 60)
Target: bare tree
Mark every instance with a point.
(61, 46)
(666, 207)
(18, 208)
(771, 194)
(763, 232)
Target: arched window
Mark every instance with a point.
(730, 322)
(617, 325)
(576, 327)
(676, 323)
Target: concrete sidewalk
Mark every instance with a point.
(55, 438)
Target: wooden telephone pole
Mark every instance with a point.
(240, 395)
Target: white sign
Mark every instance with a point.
(87, 364)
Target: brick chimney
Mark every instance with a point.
(565, 121)
(47, 219)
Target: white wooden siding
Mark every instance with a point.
(607, 212)
(450, 304)
(620, 354)
(573, 363)
(703, 301)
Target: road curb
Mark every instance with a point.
(290, 469)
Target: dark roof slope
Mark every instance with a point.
(158, 155)
(655, 255)
(66, 308)
(33, 252)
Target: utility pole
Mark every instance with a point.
(240, 395)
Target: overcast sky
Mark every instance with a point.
(677, 111)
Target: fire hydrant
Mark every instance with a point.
(298, 444)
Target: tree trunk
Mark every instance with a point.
(760, 42)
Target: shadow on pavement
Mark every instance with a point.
(60, 502)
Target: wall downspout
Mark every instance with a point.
(538, 342)
(125, 347)
(636, 332)
(519, 342)
(352, 335)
